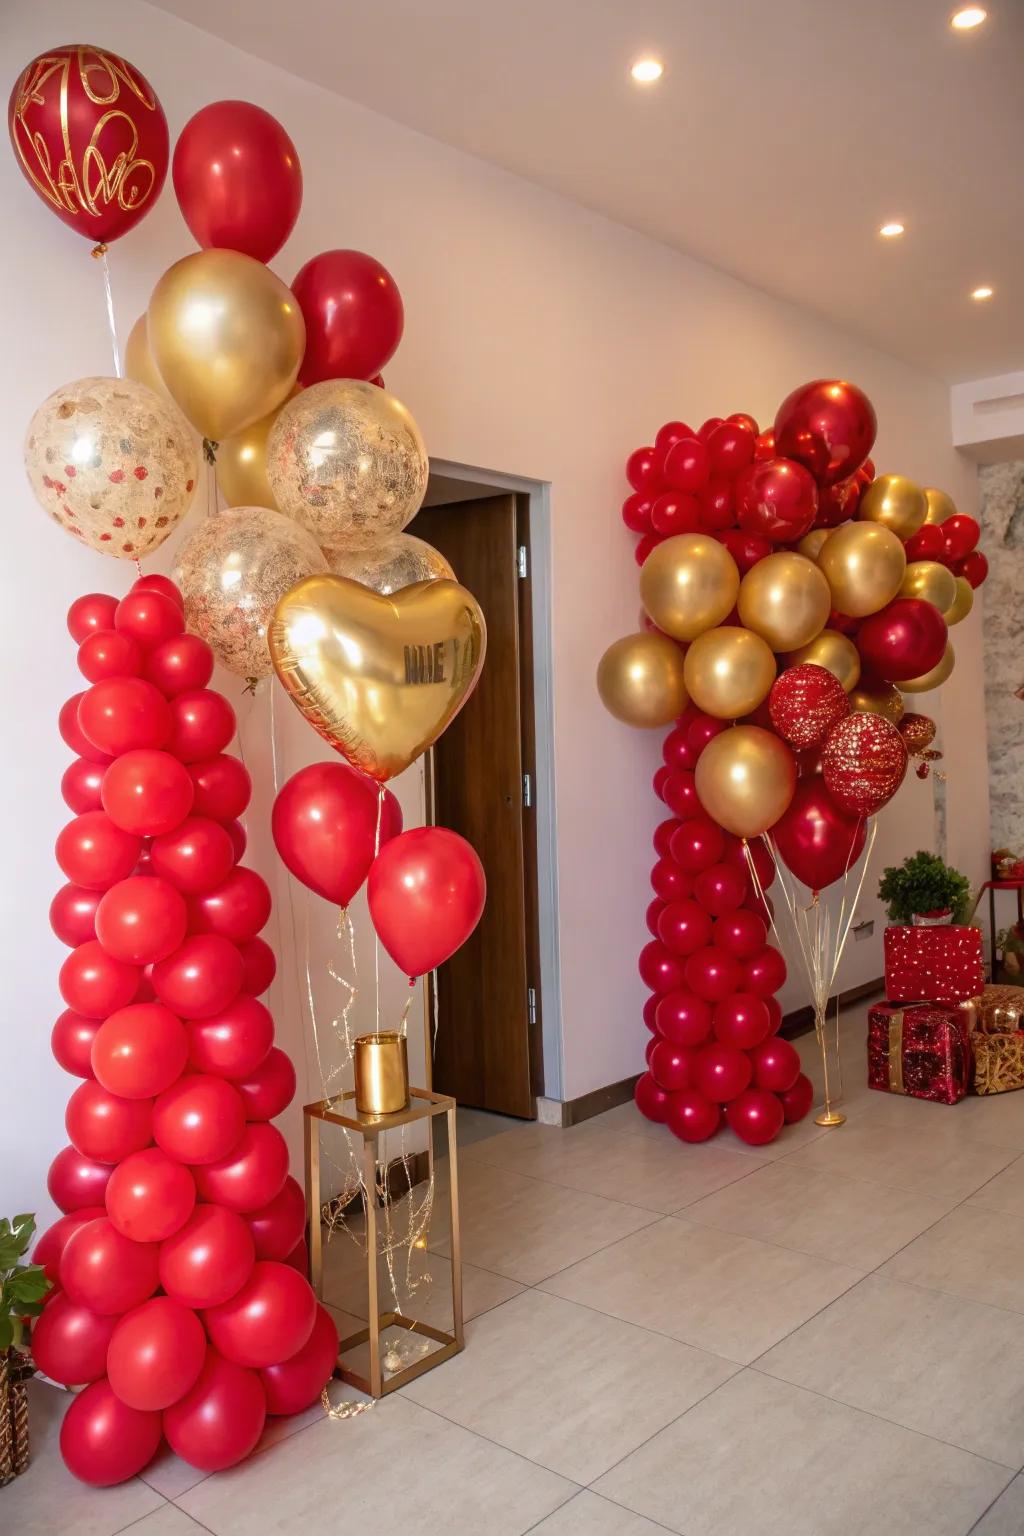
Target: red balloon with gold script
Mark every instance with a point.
(91, 138)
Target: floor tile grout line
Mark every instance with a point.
(663, 1430)
(537, 1178)
(132, 1523)
(479, 1435)
(605, 1500)
(703, 1349)
(989, 1507)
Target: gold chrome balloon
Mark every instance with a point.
(347, 461)
(878, 699)
(227, 337)
(833, 651)
(388, 567)
(810, 544)
(242, 464)
(728, 671)
(745, 779)
(112, 463)
(232, 571)
(962, 603)
(896, 503)
(940, 506)
(688, 584)
(640, 680)
(936, 677)
(785, 599)
(379, 677)
(931, 582)
(138, 361)
(863, 564)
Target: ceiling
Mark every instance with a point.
(783, 133)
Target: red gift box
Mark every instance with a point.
(933, 965)
(923, 1051)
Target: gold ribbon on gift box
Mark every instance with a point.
(896, 1051)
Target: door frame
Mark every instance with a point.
(486, 482)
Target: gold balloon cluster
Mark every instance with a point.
(640, 680)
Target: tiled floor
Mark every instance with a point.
(822, 1336)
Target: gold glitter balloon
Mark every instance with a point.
(640, 680)
(232, 573)
(728, 671)
(935, 677)
(918, 731)
(810, 544)
(896, 503)
(138, 361)
(940, 506)
(878, 699)
(931, 582)
(112, 463)
(347, 461)
(688, 584)
(745, 779)
(833, 651)
(785, 599)
(389, 567)
(962, 603)
(863, 564)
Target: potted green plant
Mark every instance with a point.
(925, 889)
(1010, 943)
(23, 1287)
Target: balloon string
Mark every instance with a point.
(100, 253)
(376, 940)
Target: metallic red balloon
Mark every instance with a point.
(731, 448)
(353, 313)
(973, 568)
(805, 702)
(960, 535)
(815, 838)
(325, 828)
(863, 763)
(755, 1116)
(837, 503)
(903, 640)
(777, 500)
(828, 426)
(671, 433)
(237, 179)
(746, 548)
(692, 1116)
(662, 833)
(928, 543)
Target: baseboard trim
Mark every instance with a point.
(800, 1021)
(575, 1111)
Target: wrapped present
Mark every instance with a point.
(997, 1040)
(933, 965)
(921, 1051)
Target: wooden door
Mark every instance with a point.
(487, 1050)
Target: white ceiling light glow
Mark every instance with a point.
(967, 18)
(892, 230)
(646, 71)
(982, 293)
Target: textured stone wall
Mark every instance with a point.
(1002, 517)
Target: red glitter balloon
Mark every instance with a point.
(863, 763)
(805, 702)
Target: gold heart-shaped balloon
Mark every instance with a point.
(379, 677)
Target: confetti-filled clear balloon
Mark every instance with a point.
(347, 461)
(389, 567)
(232, 573)
(112, 463)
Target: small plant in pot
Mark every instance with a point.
(1010, 944)
(23, 1288)
(925, 889)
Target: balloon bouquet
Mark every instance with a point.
(791, 597)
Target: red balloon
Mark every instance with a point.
(686, 466)
(669, 882)
(202, 724)
(717, 506)
(69, 1342)
(200, 978)
(681, 796)
(150, 1196)
(684, 926)
(774, 1013)
(776, 1065)
(195, 856)
(81, 785)
(678, 755)
(220, 1420)
(838, 503)
(156, 583)
(105, 653)
(746, 548)
(277, 1226)
(103, 1126)
(731, 448)
(238, 836)
(755, 1116)
(270, 1089)
(71, 1042)
(208, 1259)
(103, 1441)
(93, 983)
(682, 1018)
(105, 1271)
(234, 1042)
(95, 853)
(156, 1353)
(816, 840)
(426, 892)
(654, 910)
(651, 1100)
(259, 967)
(299, 1258)
(697, 844)
(296, 1383)
(777, 500)
(147, 792)
(702, 729)
(88, 614)
(181, 663)
(251, 1174)
(270, 1318)
(637, 511)
(692, 1116)
(828, 426)
(124, 714)
(237, 179)
(51, 1243)
(198, 1120)
(674, 512)
(974, 568)
(797, 1101)
(712, 973)
(805, 702)
(73, 735)
(903, 640)
(75, 1182)
(660, 969)
(742, 1020)
(237, 908)
(764, 972)
(353, 313)
(141, 919)
(670, 1065)
(721, 889)
(662, 833)
(139, 1051)
(720, 1071)
(764, 446)
(90, 137)
(740, 933)
(763, 862)
(863, 763)
(222, 787)
(960, 535)
(648, 1012)
(324, 825)
(643, 469)
(149, 617)
(927, 543)
(73, 914)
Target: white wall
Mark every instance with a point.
(542, 341)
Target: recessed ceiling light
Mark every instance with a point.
(967, 18)
(892, 230)
(984, 292)
(646, 71)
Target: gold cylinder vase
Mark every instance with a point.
(381, 1073)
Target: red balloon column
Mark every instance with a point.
(180, 1304)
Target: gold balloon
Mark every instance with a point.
(227, 337)
(379, 677)
(833, 651)
(863, 564)
(138, 361)
(640, 680)
(878, 699)
(810, 544)
(895, 502)
(346, 460)
(785, 599)
(936, 677)
(688, 584)
(745, 779)
(388, 567)
(112, 463)
(940, 506)
(242, 464)
(728, 671)
(232, 571)
(931, 582)
(962, 603)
